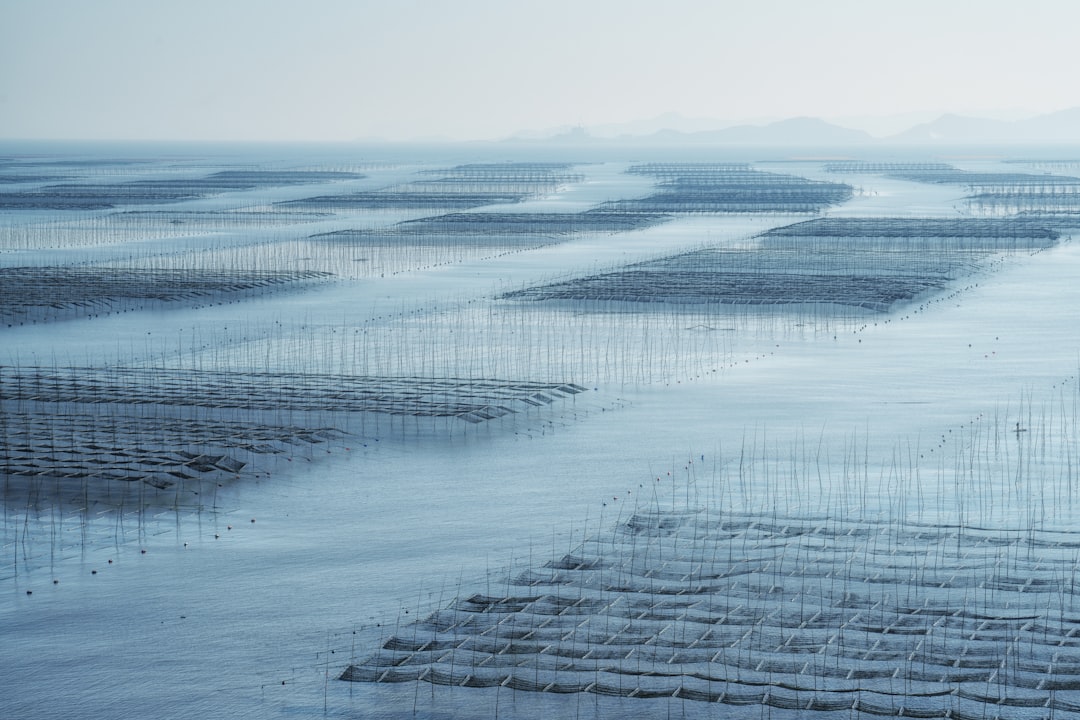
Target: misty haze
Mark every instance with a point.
(539, 361)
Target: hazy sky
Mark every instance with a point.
(343, 69)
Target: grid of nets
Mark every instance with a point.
(471, 400)
(457, 188)
(726, 285)
(97, 196)
(533, 223)
(140, 220)
(38, 293)
(993, 193)
(866, 263)
(872, 167)
(728, 188)
(72, 447)
(492, 230)
(810, 614)
(1053, 204)
(985, 181)
(1029, 233)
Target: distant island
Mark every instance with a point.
(670, 129)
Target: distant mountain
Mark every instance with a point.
(674, 129)
(796, 131)
(1057, 127)
(1061, 126)
(650, 126)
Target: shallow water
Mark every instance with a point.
(249, 603)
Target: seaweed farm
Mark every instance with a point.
(690, 279)
(533, 431)
(41, 294)
(460, 234)
(97, 429)
(470, 400)
(867, 263)
(96, 453)
(531, 223)
(458, 188)
(1001, 193)
(808, 615)
(729, 188)
(97, 196)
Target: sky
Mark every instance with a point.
(333, 70)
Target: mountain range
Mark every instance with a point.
(672, 129)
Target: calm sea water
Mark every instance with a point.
(250, 605)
